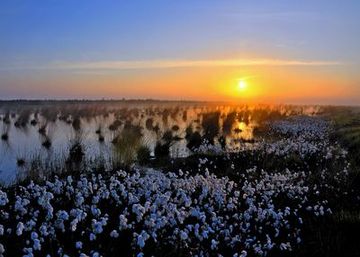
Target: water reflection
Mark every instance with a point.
(243, 131)
(46, 140)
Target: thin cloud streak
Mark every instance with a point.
(168, 64)
(163, 64)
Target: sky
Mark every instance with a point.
(245, 51)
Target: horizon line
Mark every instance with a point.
(171, 100)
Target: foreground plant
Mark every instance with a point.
(157, 212)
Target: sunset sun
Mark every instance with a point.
(242, 85)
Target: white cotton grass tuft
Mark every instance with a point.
(202, 212)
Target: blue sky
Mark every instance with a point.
(39, 34)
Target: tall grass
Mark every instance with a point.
(5, 132)
(126, 145)
(211, 126)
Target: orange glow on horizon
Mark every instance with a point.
(236, 84)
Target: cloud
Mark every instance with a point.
(163, 64)
(167, 64)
